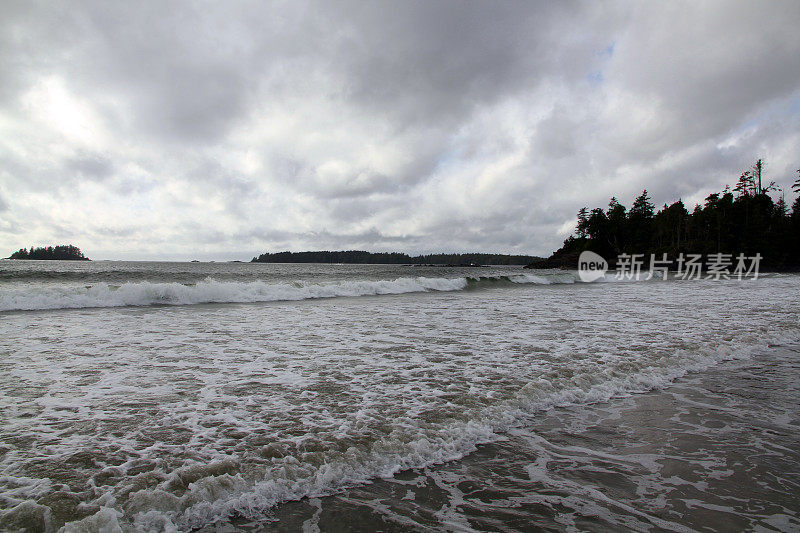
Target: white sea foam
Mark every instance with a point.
(220, 495)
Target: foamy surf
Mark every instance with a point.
(218, 494)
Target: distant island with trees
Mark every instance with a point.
(65, 252)
(744, 219)
(394, 258)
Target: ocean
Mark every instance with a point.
(145, 396)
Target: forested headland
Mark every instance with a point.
(745, 219)
(393, 258)
(65, 252)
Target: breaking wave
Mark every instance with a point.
(147, 293)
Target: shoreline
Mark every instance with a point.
(677, 458)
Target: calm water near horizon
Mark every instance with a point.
(146, 396)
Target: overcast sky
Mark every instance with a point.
(219, 130)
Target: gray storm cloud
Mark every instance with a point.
(151, 130)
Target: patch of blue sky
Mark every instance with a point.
(782, 108)
(595, 77)
(447, 159)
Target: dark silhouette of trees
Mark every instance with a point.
(392, 258)
(62, 252)
(743, 220)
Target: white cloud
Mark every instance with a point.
(137, 131)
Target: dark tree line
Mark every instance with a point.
(63, 252)
(392, 258)
(744, 219)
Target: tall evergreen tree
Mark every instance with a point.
(746, 185)
(757, 168)
(642, 207)
(583, 220)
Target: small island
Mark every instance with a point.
(64, 252)
(394, 258)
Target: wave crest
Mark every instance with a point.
(147, 293)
